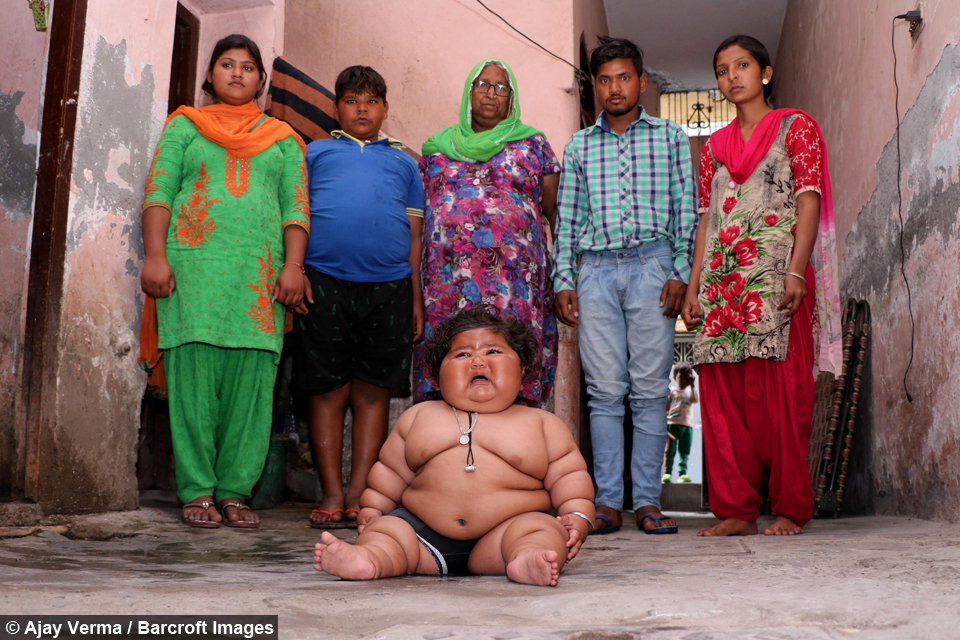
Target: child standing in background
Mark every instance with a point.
(679, 424)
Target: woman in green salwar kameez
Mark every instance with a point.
(225, 226)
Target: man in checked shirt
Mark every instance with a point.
(627, 210)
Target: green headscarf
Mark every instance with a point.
(461, 143)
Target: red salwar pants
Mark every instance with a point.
(757, 416)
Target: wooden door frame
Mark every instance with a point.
(48, 242)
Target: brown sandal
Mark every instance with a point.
(200, 524)
(237, 504)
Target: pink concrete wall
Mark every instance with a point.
(21, 86)
(589, 19)
(89, 463)
(425, 49)
(835, 61)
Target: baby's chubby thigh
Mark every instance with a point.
(395, 541)
(532, 530)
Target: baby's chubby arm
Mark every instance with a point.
(390, 475)
(568, 482)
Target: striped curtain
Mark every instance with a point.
(301, 101)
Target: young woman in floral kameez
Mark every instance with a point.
(764, 285)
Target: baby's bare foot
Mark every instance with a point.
(730, 527)
(347, 561)
(535, 566)
(318, 551)
(783, 526)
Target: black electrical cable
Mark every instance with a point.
(580, 74)
(903, 267)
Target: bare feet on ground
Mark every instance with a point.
(198, 513)
(783, 526)
(616, 520)
(332, 504)
(535, 566)
(347, 561)
(649, 524)
(730, 527)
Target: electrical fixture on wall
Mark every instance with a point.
(915, 18)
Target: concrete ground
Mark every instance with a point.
(875, 577)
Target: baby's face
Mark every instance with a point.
(480, 372)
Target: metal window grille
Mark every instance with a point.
(700, 113)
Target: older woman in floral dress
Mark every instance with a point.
(489, 182)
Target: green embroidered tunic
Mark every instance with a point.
(225, 241)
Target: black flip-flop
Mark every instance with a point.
(607, 529)
(658, 529)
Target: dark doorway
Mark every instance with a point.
(183, 66)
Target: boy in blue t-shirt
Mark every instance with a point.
(364, 301)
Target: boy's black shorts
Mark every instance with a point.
(353, 330)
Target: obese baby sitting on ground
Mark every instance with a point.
(473, 483)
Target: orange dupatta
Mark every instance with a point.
(236, 130)
(233, 128)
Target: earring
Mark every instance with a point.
(765, 81)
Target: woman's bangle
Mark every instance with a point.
(797, 275)
(302, 270)
(584, 516)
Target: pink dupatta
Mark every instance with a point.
(741, 159)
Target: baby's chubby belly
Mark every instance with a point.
(462, 505)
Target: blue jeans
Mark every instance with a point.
(626, 345)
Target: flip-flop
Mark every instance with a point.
(240, 507)
(351, 524)
(656, 521)
(329, 524)
(607, 529)
(199, 524)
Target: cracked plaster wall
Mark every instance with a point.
(835, 61)
(21, 86)
(89, 461)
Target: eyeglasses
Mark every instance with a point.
(482, 86)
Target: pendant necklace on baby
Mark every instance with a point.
(466, 437)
